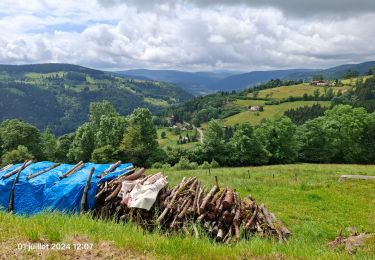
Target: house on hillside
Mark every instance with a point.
(255, 108)
(318, 83)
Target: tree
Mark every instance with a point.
(104, 154)
(83, 143)
(246, 148)
(213, 143)
(278, 137)
(316, 94)
(49, 145)
(62, 148)
(18, 155)
(139, 142)
(99, 109)
(15, 132)
(337, 136)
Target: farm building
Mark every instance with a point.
(319, 83)
(255, 108)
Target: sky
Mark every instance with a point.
(191, 35)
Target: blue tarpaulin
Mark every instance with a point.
(48, 192)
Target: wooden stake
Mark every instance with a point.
(15, 171)
(84, 195)
(6, 167)
(30, 176)
(75, 168)
(110, 169)
(217, 181)
(11, 200)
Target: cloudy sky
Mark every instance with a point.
(188, 34)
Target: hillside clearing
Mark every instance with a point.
(306, 197)
(270, 111)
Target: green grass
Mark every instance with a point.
(270, 111)
(248, 102)
(306, 197)
(295, 91)
(171, 138)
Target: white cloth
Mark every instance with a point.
(136, 194)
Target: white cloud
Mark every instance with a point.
(110, 35)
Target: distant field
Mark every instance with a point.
(271, 111)
(300, 89)
(306, 197)
(295, 91)
(248, 102)
(171, 138)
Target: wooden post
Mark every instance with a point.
(84, 195)
(295, 176)
(248, 173)
(217, 181)
(110, 169)
(75, 168)
(11, 200)
(30, 176)
(15, 171)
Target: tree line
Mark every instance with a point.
(343, 134)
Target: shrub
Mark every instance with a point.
(214, 164)
(193, 165)
(205, 165)
(18, 155)
(157, 165)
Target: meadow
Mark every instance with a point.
(270, 111)
(306, 197)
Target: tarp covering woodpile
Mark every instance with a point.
(49, 186)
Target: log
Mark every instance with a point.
(228, 199)
(208, 197)
(110, 169)
(71, 171)
(135, 175)
(11, 199)
(248, 223)
(15, 171)
(30, 176)
(84, 195)
(6, 167)
(114, 193)
(356, 177)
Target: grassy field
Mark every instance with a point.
(306, 197)
(295, 91)
(172, 138)
(271, 111)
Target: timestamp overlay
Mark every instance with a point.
(54, 246)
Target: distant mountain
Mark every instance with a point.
(58, 95)
(201, 83)
(339, 71)
(241, 81)
(196, 83)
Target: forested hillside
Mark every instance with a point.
(58, 95)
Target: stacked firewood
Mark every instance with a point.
(220, 213)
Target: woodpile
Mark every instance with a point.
(219, 212)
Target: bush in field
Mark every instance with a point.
(157, 165)
(185, 164)
(205, 165)
(214, 164)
